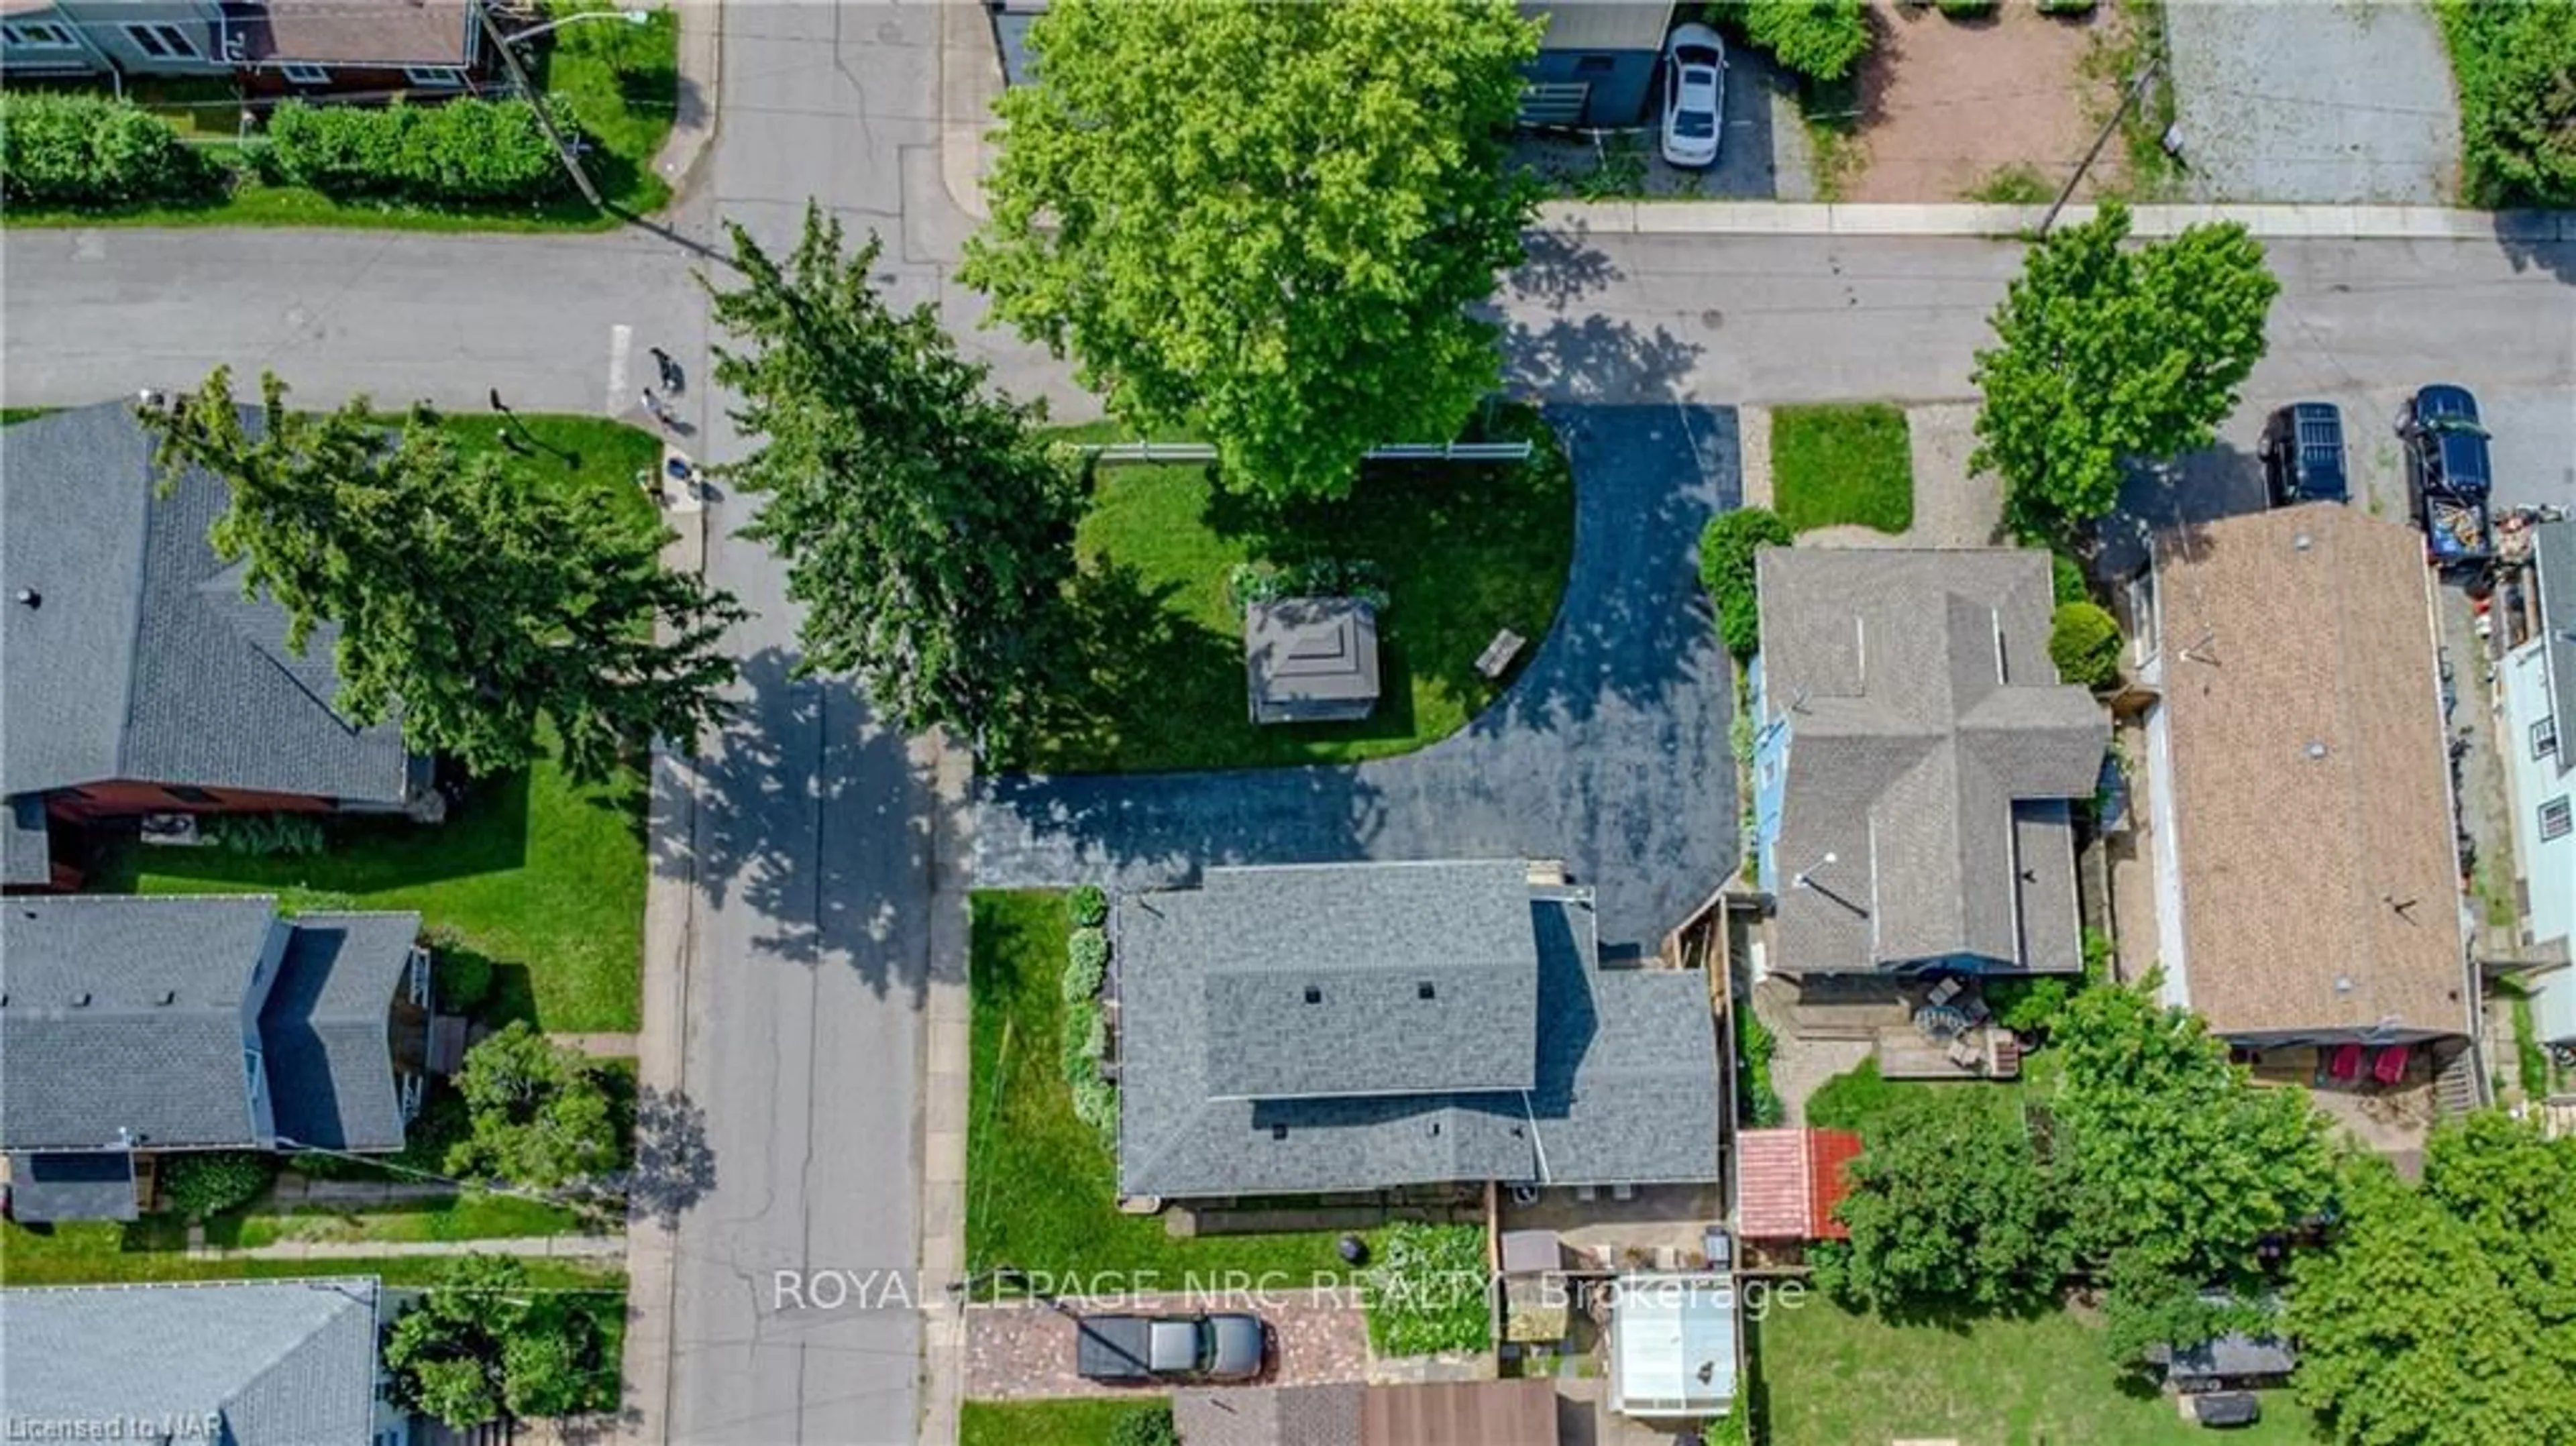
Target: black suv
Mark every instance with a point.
(2446, 445)
(2302, 454)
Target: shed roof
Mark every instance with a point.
(278, 1363)
(1788, 1182)
(1448, 1413)
(138, 657)
(1930, 749)
(1672, 1345)
(1310, 651)
(92, 1185)
(1325, 1415)
(2310, 788)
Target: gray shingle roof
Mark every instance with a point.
(278, 1363)
(175, 1074)
(1924, 720)
(1316, 978)
(92, 1185)
(1623, 1063)
(315, 992)
(1310, 658)
(28, 850)
(2553, 546)
(143, 661)
(330, 1061)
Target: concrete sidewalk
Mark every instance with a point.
(556, 1247)
(693, 128)
(1800, 218)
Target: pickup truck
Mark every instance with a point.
(2448, 477)
(1141, 1349)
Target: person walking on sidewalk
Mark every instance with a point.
(674, 380)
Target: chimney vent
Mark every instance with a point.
(80, 1000)
(28, 597)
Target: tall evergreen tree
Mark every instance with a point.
(926, 526)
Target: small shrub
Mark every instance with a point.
(1149, 1426)
(1726, 551)
(1095, 1103)
(2028, 1007)
(466, 150)
(2084, 642)
(198, 1185)
(91, 151)
(265, 835)
(1426, 1294)
(1261, 582)
(1853, 1099)
(1080, 1047)
(2066, 7)
(1086, 964)
(1089, 905)
(1818, 39)
(460, 980)
(2066, 576)
(1754, 1046)
(2015, 185)
(1967, 9)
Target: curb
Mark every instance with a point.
(1802, 218)
(686, 146)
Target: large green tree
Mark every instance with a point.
(2106, 353)
(539, 1115)
(2516, 64)
(2172, 1150)
(1819, 39)
(1267, 222)
(469, 596)
(484, 1341)
(2447, 1313)
(1949, 1204)
(925, 525)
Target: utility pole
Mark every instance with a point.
(2128, 101)
(545, 116)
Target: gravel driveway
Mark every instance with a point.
(1610, 752)
(2314, 101)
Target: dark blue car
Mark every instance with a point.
(2447, 474)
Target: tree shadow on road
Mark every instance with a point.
(1560, 267)
(675, 1167)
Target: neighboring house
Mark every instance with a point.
(230, 1363)
(141, 1026)
(2539, 685)
(1349, 1027)
(272, 46)
(1915, 763)
(134, 676)
(1596, 61)
(1595, 66)
(2307, 884)
(1442, 1413)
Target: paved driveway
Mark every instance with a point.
(1021, 1351)
(1610, 752)
(2305, 100)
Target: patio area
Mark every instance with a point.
(1654, 1224)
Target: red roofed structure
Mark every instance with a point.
(1789, 1181)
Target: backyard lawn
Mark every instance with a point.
(1461, 552)
(103, 1253)
(1048, 1423)
(1041, 1188)
(1835, 464)
(463, 1217)
(541, 876)
(1831, 1378)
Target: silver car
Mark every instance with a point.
(1136, 1349)
(1694, 96)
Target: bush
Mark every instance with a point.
(2084, 642)
(1086, 964)
(1426, 1294)
(88, 150)
(2066, 7)
(1090, 906)
(199, 1185)
(1149, 1426)
(1081, 1045)
(1754, 1046)
(2517, 109)
(1095, 1103)
(1260, 582)
(1819, 39)
(1967, 9)
(264, 835)
(460, 979)
(466, 150)
(2067, 578)
(1726, 551)
(1854, 1099)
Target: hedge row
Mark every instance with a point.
(87, 150)
(2517, 104)
(1726, 551)
(463, 150)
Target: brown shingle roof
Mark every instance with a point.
(2311, 798)
(353, 32)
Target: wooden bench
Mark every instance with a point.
(1498, 654)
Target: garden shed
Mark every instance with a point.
(1311, 659)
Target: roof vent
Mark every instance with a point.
(1278, 1132)
(1424, 990)
(1314, 995)
(2303, 542)
(168, 997)
(2316, 748)
(80, 1000)
(2343, 984)
(29, 597)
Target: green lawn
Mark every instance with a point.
(1838, 463)
(147, 1250)
(1041, 1188)
(543, 877)
(11, 416)
(1462, 551)
(1831, 1378)
(622, 82)
(465, 1217)
(1048, 1423)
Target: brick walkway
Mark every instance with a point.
(1014, 1352)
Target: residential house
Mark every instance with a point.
(236, 1362)
(135, 1027)
(2307, 883)
(1916, 763)
(2538, 681)
(1354, 1027)
(135, 677)
(273, 47)
(1595, 67)
(1439, 1413)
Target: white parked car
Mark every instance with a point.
(1694, 96)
